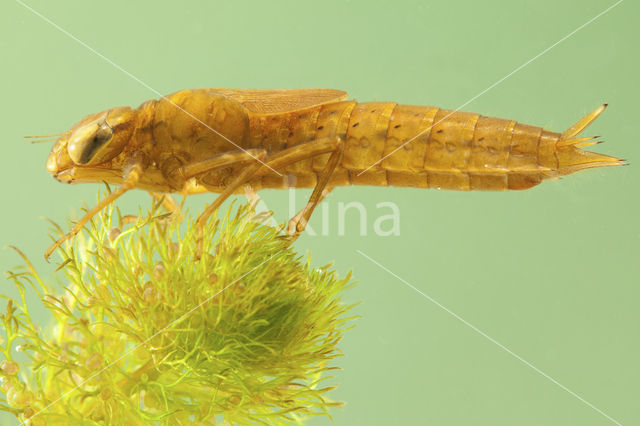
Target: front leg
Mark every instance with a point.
(131, 175)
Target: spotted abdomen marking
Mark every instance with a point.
(429, 147)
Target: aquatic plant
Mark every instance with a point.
(145, 333)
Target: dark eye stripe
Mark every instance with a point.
(102, 136)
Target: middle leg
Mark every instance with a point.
(245, 175)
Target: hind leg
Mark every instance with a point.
(335, 146)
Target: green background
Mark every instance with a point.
(550, 273)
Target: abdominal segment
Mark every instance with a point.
(387, 144)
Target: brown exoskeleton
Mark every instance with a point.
(220, 140)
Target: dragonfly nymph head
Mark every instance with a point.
(94, 140)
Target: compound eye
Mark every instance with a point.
(103, 135)
(86, 142)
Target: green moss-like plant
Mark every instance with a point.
(145, 333)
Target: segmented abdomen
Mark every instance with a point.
(430, 147)
(417, 146)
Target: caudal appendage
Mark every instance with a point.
(571, 156)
